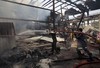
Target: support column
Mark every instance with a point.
(99, 22)
(54, 14)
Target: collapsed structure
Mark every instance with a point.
(25, 27)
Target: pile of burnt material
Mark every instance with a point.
(28, 57)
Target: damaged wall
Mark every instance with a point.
(23, 19)
(7, 36)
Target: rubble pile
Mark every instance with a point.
(29, 58)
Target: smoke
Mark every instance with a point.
(10, 10)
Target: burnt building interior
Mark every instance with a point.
(48, 34)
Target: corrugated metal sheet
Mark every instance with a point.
(48, 39)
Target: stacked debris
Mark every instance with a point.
(29, 58)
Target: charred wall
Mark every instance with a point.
(7, 36)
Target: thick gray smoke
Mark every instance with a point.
(10, 10)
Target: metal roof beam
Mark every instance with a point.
(26, 5)
(65, 6)
(46, 3)
(61, 4)
(52, 4)
(43, 1)
(59, 9)
(58, 5)
(32, 1)
(62, 7)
